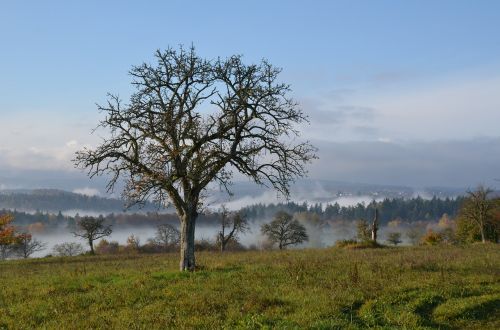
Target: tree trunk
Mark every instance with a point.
(188, 223)
(91, 243)
(483, 237)
(221, 239)
(375, 226)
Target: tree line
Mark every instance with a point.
(412, 209)
(478, 219)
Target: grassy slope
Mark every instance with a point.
(425, 287)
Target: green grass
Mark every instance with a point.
(410, 288)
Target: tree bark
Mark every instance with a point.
(483, 237)
(91, 243)
(188, 222)
(375, 226)
(222, 244)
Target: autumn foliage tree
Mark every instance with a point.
(192, 122)
(8, 235)
(478, 216)
(363, 233)
(7, 231)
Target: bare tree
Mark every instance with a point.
(285, 230)
(167, 236)
(68, 249)
(192, 122)
(231, 225)
(477, 209)
(27, 245)
(91, 229)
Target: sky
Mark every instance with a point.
(397, 92)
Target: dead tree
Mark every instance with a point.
(192, 122)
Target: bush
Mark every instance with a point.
(353, 244)
(345, 242)
(394, 238)
(205, 245)
(68, 249)
(432, 238)
(105, 247)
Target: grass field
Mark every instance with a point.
(423, 287)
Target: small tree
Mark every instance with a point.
(362, 230)
(167, 236)
(477, 209)
(8, 236)
(231, 225)
(68, 249)
(394, 238)
(27, 245)
(91, 229)
(284, 230)
(415, 234)
(133, 243)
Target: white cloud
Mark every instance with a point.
(452, 109)
(462, 106)
(87, 191)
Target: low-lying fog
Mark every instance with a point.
(319, 236)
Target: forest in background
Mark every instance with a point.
(408, 210)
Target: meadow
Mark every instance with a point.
(446, 287)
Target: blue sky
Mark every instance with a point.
(403, 73)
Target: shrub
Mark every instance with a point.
(432, 238)
(394, 238)
(353, 244)
(68, 249)
(105, 247)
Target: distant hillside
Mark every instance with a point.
(53, 200)
(245, 193)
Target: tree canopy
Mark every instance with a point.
(284, 230)
(193, 121)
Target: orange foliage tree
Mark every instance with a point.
(8, 236)
(7, 231)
